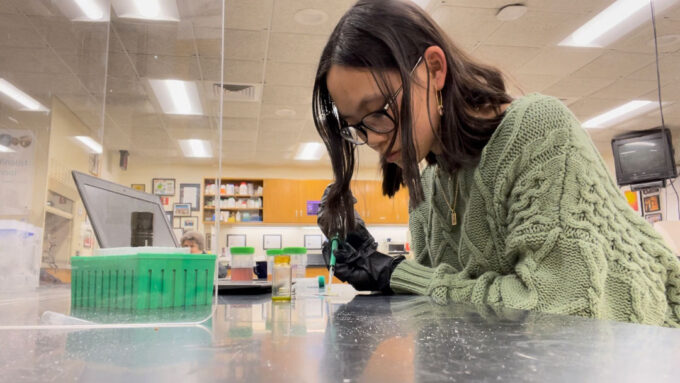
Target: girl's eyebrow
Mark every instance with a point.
(364, 101)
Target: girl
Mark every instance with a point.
(515, 206)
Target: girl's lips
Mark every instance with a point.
(394, 156)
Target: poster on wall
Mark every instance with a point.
(17, 165)
(633, 200)
(651, 203)
(190, 193)
(163, 186)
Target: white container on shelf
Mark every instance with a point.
(19, 255)
(258, 191)
(251, 188)
(238, 216)
(230, 189)
(231, 202)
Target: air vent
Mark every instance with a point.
(239, 92)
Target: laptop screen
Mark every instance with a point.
(110, 207)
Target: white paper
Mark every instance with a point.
(272, 241)
(189, 196)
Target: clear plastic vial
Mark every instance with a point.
(281, 278)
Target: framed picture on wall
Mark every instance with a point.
(651, 203)
(163, 186)
(633, 199)
(651, 218)
(189, 223)
(191, 194)
(139, 187)
(182, 209)
(313, 241)
(236, 240)
(271, 241)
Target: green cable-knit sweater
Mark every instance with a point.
(541, 226)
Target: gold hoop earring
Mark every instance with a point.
(440, 103)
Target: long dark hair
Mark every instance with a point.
(392, 35)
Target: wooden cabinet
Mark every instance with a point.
(287, 199)
(310, 190)
(280, 196)
(375, 208)
(284, 201)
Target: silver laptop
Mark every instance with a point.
(110, 207)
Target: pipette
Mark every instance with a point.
(331, 263)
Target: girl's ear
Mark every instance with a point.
(436, 64)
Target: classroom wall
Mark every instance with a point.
(65, 155)
(140, 173)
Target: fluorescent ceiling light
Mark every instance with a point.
(310, 151)
(91, 9)
(177, 96)
(91, 144)
(155, 10)
(614, 22)
(4, 149)
(196, 148)
(620, 113)
(28, 102)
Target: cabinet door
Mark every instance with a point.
(310, 190)
(380, 208)
(279, 196)
(401, 205)
(359, 191)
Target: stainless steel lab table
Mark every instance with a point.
(343, 338)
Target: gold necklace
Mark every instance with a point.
(454, 218)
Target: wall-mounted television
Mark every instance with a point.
(644, 156)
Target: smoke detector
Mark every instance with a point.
(511, 12)
(311, 16)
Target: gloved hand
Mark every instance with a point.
(356, 258)
(365, 268)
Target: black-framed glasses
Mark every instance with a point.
(379, 121)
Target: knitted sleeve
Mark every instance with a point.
(560, 217)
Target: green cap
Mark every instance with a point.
(294, 250)
(273, 252)
(242, 250)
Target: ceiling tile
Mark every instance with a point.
(559, 61)
(467, 23)
(296, 48)
(589, 107)
(536, 29)
(286, 111)
(625, 89)
(669, 69)
(290, 95)
(15, 31)
(506, 58)
(153, 38)
(251, 15)
(280, 73)
(239, 124)
(576, 87)
(528, 83)
(238, 71)
(641, 40)
(284, 15)
(669, 93)
(291, 127)
(239, 135)
(614, 64)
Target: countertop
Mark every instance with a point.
(340, 338)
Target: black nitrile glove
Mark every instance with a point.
(365, 268)
(356, 259)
